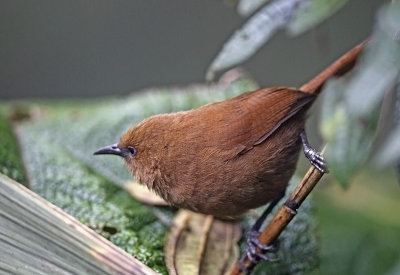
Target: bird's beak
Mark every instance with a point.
(112, 149)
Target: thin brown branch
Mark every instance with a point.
(285, 214)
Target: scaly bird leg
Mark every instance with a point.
(254, 245)
(313, 156)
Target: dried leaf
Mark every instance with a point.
(143, 194)
(200, 244)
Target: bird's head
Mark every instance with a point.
(127, 148)
(118, 150)
(138, 146)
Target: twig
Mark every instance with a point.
(285, 214)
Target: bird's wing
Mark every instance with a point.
(249, 119)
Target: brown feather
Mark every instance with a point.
(222, 158)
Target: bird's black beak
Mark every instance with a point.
(112, 149)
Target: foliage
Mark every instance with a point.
(313, 14)
(351, 106)
(10, 163)
(254, 34)
(298, 16)
(359, 228)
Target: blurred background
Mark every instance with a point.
(93, 48)
(63, 49)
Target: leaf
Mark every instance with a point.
(309, 16)
(389, 154)
(200, 244)
(253, 34)
(351, 104)
(349, 138)
(37, 237)
(141, 193)
(380, 67)
(246, 7)
(10, 163)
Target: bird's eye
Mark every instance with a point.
(132, 150)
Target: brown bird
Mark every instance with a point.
(227, 157)
(223, 158)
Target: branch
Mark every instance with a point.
(285, 214)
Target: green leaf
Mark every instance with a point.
(389, 153)
(246, 7)
(10, 162)
(351, 105)
(380, 67)
(253, 34)
(309, 16)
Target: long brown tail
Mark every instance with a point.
(341, 66)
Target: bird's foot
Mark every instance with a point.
(316, 159)
(313, 156)
(257, 251)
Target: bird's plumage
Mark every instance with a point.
(227, 157)
(222, 158)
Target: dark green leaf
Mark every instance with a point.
(10, 162)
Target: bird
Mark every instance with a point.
(227, 157)
(223, 158)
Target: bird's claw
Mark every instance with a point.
(316, 159)
(254, 246)
(313, 156)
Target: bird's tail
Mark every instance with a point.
(341, 66)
